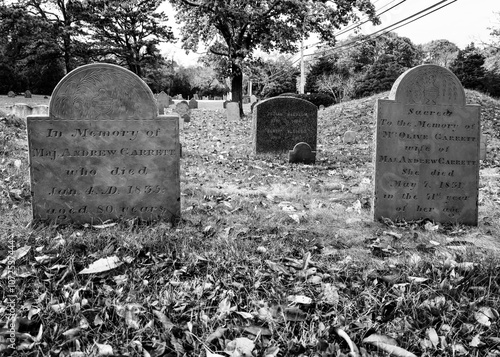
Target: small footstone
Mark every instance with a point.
(302, 153)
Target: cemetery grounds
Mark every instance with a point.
(269, 259)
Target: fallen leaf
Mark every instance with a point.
(165, 321)
(21, 252)
(211, 354)
(240, 347)
(299, 299)
(433, 336)
(387, 344)
(101, 265)
(485, 315)
(104, 350)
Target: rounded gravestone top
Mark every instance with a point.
(102, 91)
(285, 102)
(428, 84)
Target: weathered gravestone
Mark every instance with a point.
(281, 122)
(350, 137)
(483, 144)
(182, 108)
(11, 94)
(302, 153)
(103, 152)
(27, 94)
(232, 111)
(163, 101)
(193, 104)
(427, 150)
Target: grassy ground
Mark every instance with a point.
(269, 259)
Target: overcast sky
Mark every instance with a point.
(461, 22)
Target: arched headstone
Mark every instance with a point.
(103, 152)
(427, 150)
(163, 101)
(193, 104)
(281, 122)
(302, 153)
(182, 108)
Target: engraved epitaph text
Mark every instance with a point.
(282, 122)
(427, 150)
(103, 152)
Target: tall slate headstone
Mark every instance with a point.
(282, 122)
(163, 101)
(427, 150)
(103, 152)
(193, 104)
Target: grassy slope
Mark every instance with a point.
(256, 235)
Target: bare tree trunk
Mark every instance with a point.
(237, 86)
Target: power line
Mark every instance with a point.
(389, 28)
(371, 36)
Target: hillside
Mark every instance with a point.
(357, 115)
(268, 259)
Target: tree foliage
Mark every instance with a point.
(440, 52)
(362, 66)
(272, 77)
(126, 31)
(468, 67)
(236, 28)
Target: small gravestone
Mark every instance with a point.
(196, 97)
(350, 137)
(11, 94)
(27, 94)
(483, 145)
(193, 104)
(182, 108)
(163, 102)
(427, 150)
(233, 111)
(224, 104)
(103, 152)
(281, 122)
(302, 153)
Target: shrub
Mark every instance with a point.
(316, 98)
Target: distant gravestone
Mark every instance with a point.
(196, 97)
(182, 108)
(302, 153)
(483, 145)
(193, 104)
(11, 94)
(103, 152)
(224, 104)
(350, 137)
(27, 94)
(427, 150)
(281, 122)
(163, 102)
(232, 111)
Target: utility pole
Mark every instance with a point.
(302, 72)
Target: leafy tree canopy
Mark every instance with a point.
(235, 28)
